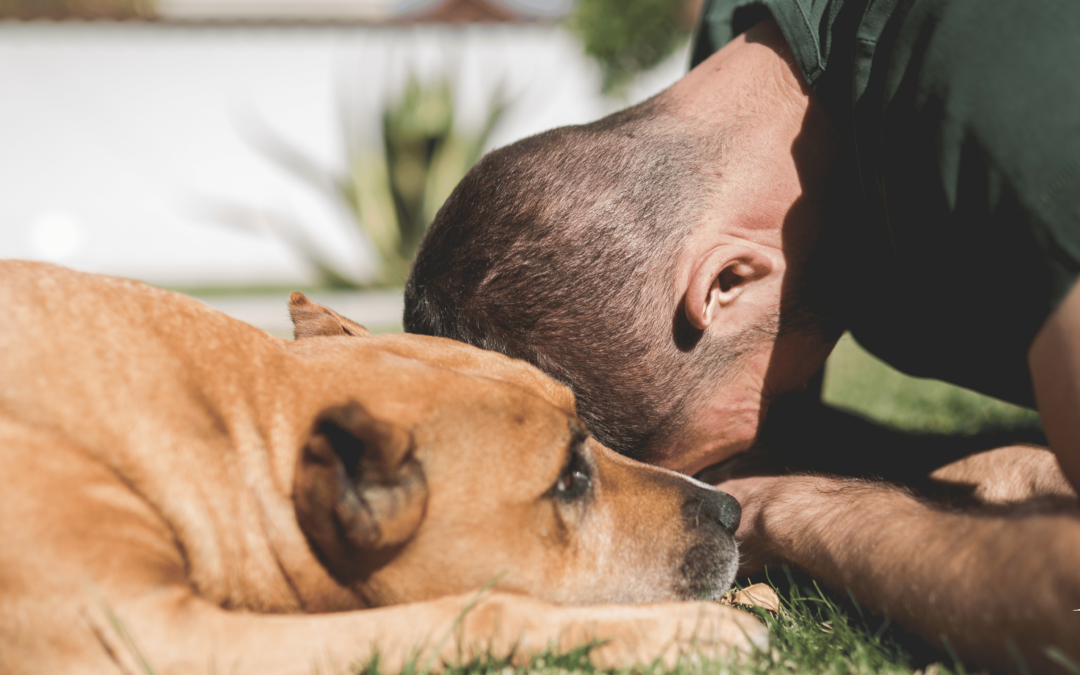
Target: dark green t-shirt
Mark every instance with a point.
(960, 129)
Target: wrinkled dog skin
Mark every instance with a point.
(249, 504)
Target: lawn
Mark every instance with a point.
(859, 382)
(815, 632)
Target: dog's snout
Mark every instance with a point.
(711, 505)
(730, 513)
(711, 561)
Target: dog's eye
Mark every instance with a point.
(574, 480)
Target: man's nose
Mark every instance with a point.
(730, 513)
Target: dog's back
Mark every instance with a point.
(115, 399)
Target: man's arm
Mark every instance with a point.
(993, 584)
(1054, 360)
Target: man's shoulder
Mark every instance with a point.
(958, 117)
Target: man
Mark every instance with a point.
(905, 169)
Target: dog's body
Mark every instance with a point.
(246, 503)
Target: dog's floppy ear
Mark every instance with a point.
(310, 319)
(360, 494)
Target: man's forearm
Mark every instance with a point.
(985, 582)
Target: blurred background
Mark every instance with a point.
(236, 145)
(240, 149)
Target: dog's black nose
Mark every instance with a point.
(708, 505)
(730, 513)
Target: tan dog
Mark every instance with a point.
(234, 498)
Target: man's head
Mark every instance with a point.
(640, 259)
(558, 250)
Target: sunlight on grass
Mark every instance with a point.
(857, 381)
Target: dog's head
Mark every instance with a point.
(445, 467)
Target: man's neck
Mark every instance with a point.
(778, 143)
(726, 425)
(729, 421)
(771, 180)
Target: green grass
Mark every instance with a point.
(816, 632)
(857, 381)
(822, 631)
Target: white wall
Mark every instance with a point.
(120, 144)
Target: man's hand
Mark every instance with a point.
(997, 577)
(752, 493)
(995, 585)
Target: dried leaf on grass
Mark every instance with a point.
(756, 595)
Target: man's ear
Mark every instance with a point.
(360, 494)
(719, 278)
(310, 319)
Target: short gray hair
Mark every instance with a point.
(560, 250)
